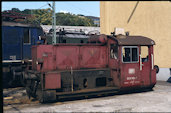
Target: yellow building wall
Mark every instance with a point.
(150, 18)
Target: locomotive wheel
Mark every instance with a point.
(16, 73)
(157, 68)
(39, 94)
(46, 96)
(28, 88)
(22, 79)
(28, 91)
(31, 88)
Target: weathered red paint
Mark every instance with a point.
(130, 79)
(113, 63)
(75, 56)
(153, 71)
(52, 81)
(96, 38)
(67, 57)
(44, 52)
(146, 71)
(93, 56)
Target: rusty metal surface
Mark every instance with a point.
(98, 38)
(130, 79)
(85, 79)
(140, 77)
(65, 57)
(87, 91)
(133, 40)
(52, 81)
(93, 57)
(78, 44)
(81, 57)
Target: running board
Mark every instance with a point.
(88, 92)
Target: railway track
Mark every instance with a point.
(16, 100)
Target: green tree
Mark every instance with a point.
(26, 11)
(15, 10)
(44, 16)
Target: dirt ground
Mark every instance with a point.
(158, 100)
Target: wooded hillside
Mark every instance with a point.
(44, 16)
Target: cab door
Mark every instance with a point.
(26, 43)
(145, 65)
(129, 65)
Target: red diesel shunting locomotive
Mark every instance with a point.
(105, 64)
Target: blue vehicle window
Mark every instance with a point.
(26, 36)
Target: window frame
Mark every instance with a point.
(130, 53)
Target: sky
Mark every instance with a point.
(87, 8)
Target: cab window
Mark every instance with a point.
(130, 54)
(144, 53)
(26, 36)
(113, 51)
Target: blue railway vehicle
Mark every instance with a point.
(17, 39)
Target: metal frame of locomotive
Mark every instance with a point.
(104, 65)
(17, 39)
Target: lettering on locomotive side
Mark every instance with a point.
(132, 82)
(131, 78)
(13, 57)
(126, 82)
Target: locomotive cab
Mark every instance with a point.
(132, 60)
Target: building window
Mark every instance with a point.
(130, 54)
(26, 36)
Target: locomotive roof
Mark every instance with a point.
(132, 40)
(16, 24)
